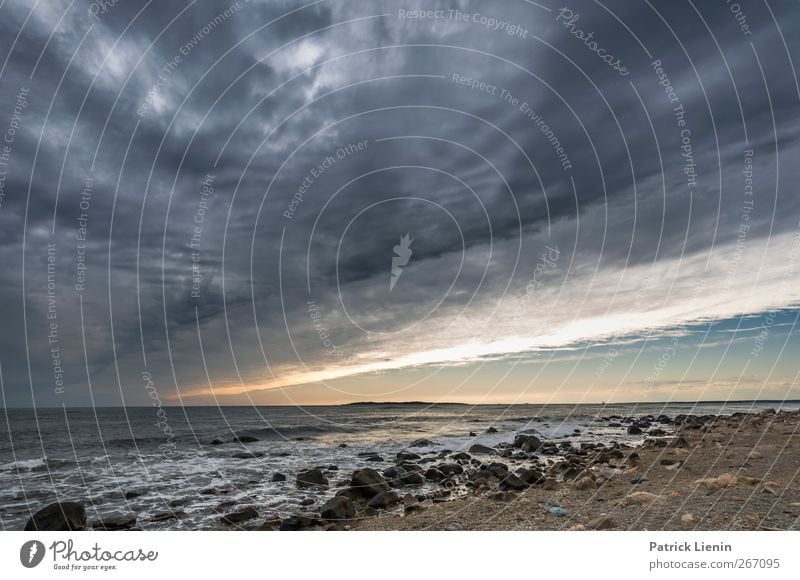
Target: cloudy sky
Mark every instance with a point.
(601, 200)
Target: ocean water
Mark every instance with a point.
(122, 460)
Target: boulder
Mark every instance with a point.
(278, 477)
(338, 508)
(512, 482)
(478, 448)
(491, 430)
(413, 478)
(407, 456)
(634, 430)
(58, 517)
(411, 503)
(528, 443)
(217, 442)
(113, 522)
(602, 523)
(384, 500)
(434, 474)
(166, 516)
(585, 483)
(450, 468)
(461, 456)
(235, 518)
(245, 439)
(311, 478)
(531, 476)
(368, 483)
(422, 443)
(271, 523)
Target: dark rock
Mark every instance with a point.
(434, 474)
(133, 494)
(450, 468)
(499, 469)
(245, 439)
(270, 523)
(484, 478)
(384, 500)
(180, 502)
(407, 456)
(338, 508)
(166, 516)
(657, 432)
(528, 443)
(375, 458)
(504, 496)
(461, 456)
(531, 476)
(368, 483)
(298, 522)
(311, 478)
(58, 517)
(278, 477)
(422, 443)
(512, 482)
(679, 442)
(306, 501)
(217, 442)
(638, 479)
(113, 522)
(411, 503)
(240, 516)
(634, 430)
(413, 478)
(491, 430)
(248, 455)
(602, 523)
(478, 448)
(473, 434)
(393, 475)
(342, 445)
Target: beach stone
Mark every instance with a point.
(484, 478)
(528, 443)
(499, 469)
(453, 527)
(634, 430)
(384, 500)
(338, 508)
(343, 445)
(368, 483)
(407, 456)
(117, 521)
(557, 511)
(311, 478)
(270, 523)
(657, 432)
(491, 430)
(483, 449)
(240, 516)
(461, 456)
(679, 443)
(62, 516)
(411, 503)
(278, 477)
(450, 468)
(689, 519)
(413, 478)
(473, 434)
(602, 523)
(297, 523)
(217, 442)
(512, 482)
(393, 475)
(166, 516)
(422, 443)
(375, 458)
(434, 474)
(245, 439)
(504, 496)
(585, 484)
(549, 484)
(531, 476)
(638, 479)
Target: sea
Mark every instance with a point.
(123, 460)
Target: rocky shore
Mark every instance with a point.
(683, 472)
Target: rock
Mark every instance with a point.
(297, 523)
(491, 430)
(504, 496)
(411, 503)
(375, 458)
(413, 478)
(434, 474)
(58, 517)
(311, 478)
(473, 434)
(657, 432)
(638, 479)
(478, 448)
(113, 522)
(393, 475)
(577, 528)
(461, 456)
(343, 445)
(453, 527)
(528, 443)
(689, 519)
(235, 518)
(368, 483)
(384, 500)
(512, 482)
(679, 443)
(634, 430)
(557, 511)
(717, 483)
(166, 516)
(484, 478)
(407, 456)
(422, 443)
(245, 439)
(217, 442)
(248, 455)
(643, 497)
(531, 476)
(602, 523)
(133, 494)
(338, 508)
(499, 469)
(270, 523)
(549, 484)
(585, 483)
(278, 477)
(450, 468)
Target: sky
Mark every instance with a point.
(287, 203)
